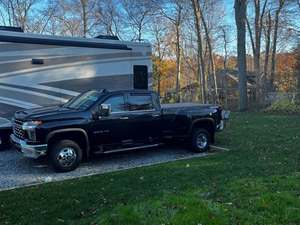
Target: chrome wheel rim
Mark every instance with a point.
(202, 141)
(66, 157)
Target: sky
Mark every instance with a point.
(229, 19)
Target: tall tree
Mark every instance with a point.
(84, 8)
(200, 57)
(297, 71)
(176, 16)
(268, 29)
(212, 70)
(225, 40)
(240, 18)
(256, 40)
(159, 32)
(275, 38)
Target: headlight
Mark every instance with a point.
(29, 127)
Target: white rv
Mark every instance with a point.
(38, 70)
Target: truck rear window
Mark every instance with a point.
(140, 102)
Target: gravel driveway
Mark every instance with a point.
(17, 171)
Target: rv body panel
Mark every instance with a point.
(39, 70)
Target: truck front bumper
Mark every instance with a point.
(28, 150)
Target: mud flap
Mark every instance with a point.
(5, 133)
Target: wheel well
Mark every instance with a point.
(76, 136)
(207, 125)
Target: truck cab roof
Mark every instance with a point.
(138, 91)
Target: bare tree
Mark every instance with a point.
(256, 40)
(110, 17)
(268, 29)
(44, 20)
(84, 7)
(200, 57)
(275, 38)
(159, 32)
(17, 12)
(138, 15)
(297, 72)
(225, 40)
(85, 17)
(210, 53)
(240, 18)
(176, 17)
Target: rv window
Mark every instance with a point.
(37, 61)
(140, 77)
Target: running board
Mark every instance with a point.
(132, 148)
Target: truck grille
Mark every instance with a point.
(17, 129)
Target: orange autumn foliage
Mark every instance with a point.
(285, 79)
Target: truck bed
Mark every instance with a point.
(183, 107)
(177, 118)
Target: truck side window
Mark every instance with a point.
(117, 103)
(140, 102)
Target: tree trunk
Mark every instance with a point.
(225, 92)
(84, 16)
(211, 56)
(298, 75)
(200, 59)
(159, 70)
(256, 43)
(267, 50)
(178, 61)
(225, 49)
(274, 48)
(256, 56)
(158, 82)
(240, 18)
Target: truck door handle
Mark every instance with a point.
(155, 115)
(124, 118)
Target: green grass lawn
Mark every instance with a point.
(257, 182)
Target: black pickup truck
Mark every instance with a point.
(100, 121)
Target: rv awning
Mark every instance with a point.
(16, 37)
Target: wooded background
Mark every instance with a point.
(242, 54)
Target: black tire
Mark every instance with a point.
(200, 145)
(65, 156)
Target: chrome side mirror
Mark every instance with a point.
(104, 110)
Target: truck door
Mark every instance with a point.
(145, 117)
(113, 129)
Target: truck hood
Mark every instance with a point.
(44, 113)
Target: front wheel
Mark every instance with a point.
(200, 140)
(65, 156)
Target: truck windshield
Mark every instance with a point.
(83, 101)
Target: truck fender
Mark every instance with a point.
(210, 120)
(53, 133)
